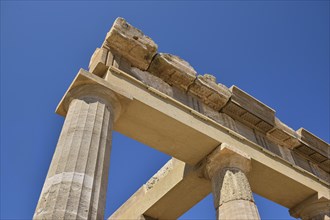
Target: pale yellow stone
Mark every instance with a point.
(98, 62)
(173, 70)
(131, 43)
(312, 208)
(212, 94)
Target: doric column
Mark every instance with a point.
(76, 183)
(313, 208)
(227, 168)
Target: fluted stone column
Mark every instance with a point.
(313, 208)
(233, 199)
(76, 183)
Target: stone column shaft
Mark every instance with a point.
(233, 199)
(75, 186)
(232, 195)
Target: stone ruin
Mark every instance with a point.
(222, 140)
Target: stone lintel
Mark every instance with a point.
(173, 70)
(131, 43)
(249, 110)
(87, 84)
(226, 156)
(313, 207)
(158, 198)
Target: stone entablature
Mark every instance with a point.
(128, 49)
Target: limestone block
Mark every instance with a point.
(212, 94)
(98, 62)
(163, 172)
(131, 43)
(121, 62)
(226, 156)
(314, 149)
(246, 131)
(249, 110)
(286, 154)
(211, 113)
(268, 144)
(151, 80)
(312, 208)
(314, 142)
(173, 70)
(301, 162)
(320, 172)
(283, 135)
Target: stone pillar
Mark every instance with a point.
(227, 168)
(76, 183)
(313, 208)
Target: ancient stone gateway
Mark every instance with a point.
(222, 141)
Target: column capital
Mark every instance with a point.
(90, 88)
(312, 208)
(226, 156)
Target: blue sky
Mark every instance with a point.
(278, 51)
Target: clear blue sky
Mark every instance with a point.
(278, 51)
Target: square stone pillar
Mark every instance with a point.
(233, 199)
(76, 183)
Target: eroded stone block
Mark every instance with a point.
(314, 142)
(249, 110)
(320, 173)
(301, 162)
(173, 70)
(131, 43)
(283, 135)
(266, 143)
(98, 62)
(151, 80)
(212, 94)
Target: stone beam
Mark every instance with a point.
(161, 122)
(158, 198)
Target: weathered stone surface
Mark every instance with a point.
(152, 81)
(239, 209)
(173, 190)
(283, 135)
(286, 154)
(312, 208)
(249, 110)
(212, 94)
(76, 182)
(131, 43)
(121, 62)
(159, 175)
(227, 167)
(301, 161)
(320, 172)
(173, 70)
(226, 156)
(98, 62)
(314, 142)
(269, 145)
(233, 185)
